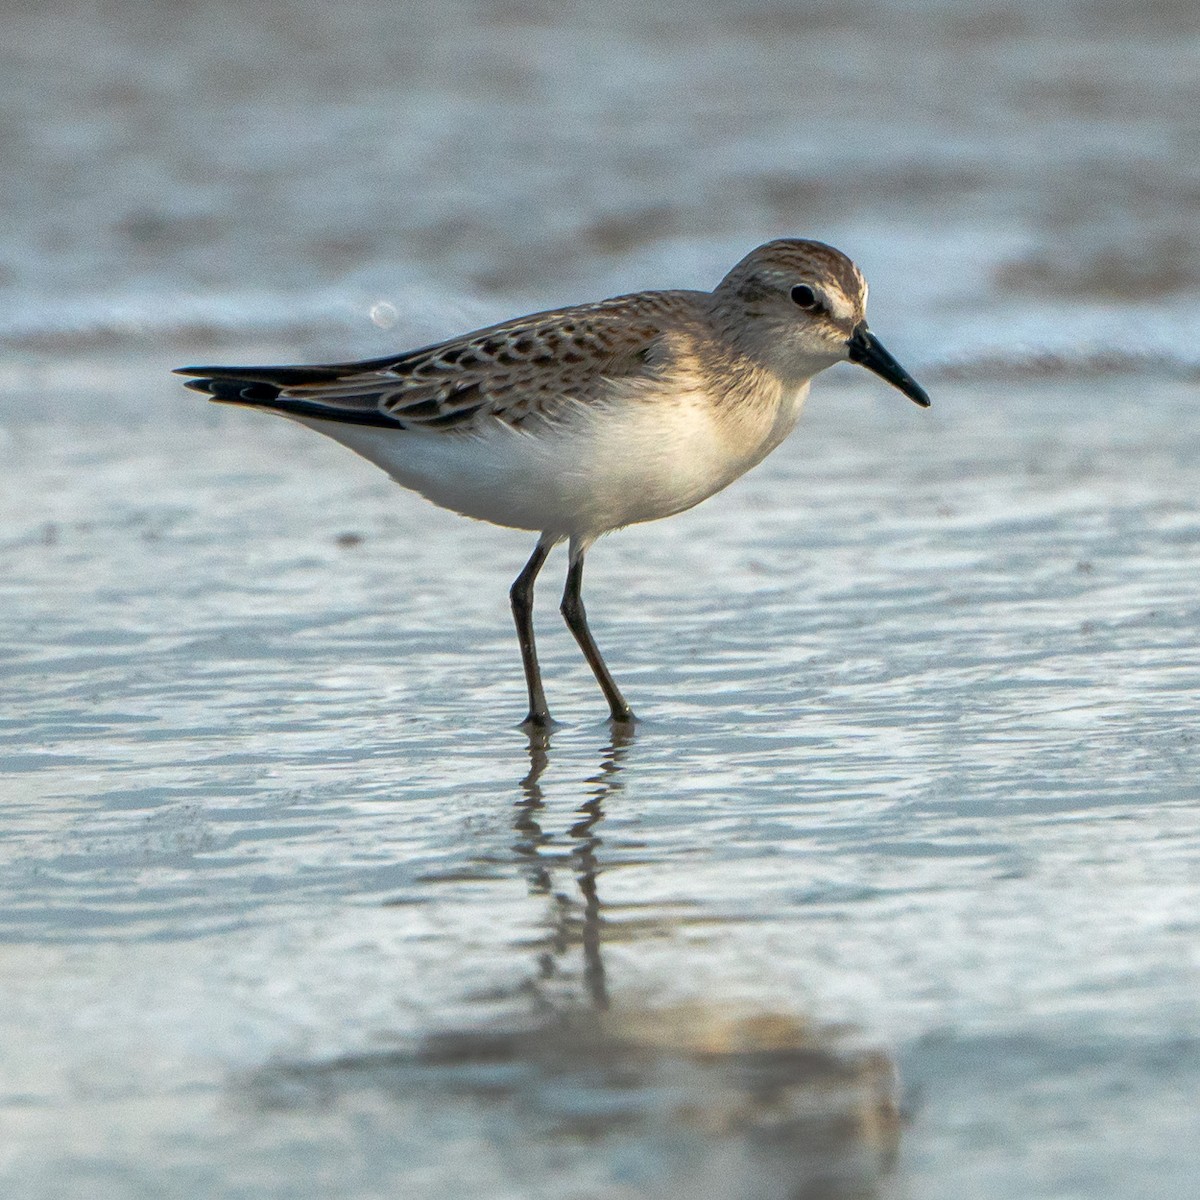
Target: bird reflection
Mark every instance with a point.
(710, 1099)
(574, 922)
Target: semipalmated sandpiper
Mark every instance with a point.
(581, 420)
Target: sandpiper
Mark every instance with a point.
(581, 420)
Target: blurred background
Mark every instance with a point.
(893, 893)
(1019, 180)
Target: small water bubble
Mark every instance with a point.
(384, 314)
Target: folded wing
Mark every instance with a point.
(522, 369)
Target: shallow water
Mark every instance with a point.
(287, 898)
(893, 890)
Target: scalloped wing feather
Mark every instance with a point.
(532, 367)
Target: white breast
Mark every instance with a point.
(636, 459)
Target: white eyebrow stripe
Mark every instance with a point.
(839, 305)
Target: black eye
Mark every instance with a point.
(805, 297)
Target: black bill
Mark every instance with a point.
(867, 350)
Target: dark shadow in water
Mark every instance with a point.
(588, 1094)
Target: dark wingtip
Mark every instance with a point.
(265, 387)
(234, 391)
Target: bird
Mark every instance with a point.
(578, 421)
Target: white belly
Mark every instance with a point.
(615, 466)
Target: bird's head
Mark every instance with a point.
(798, 307)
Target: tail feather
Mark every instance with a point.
(251, 386)
(282, 376)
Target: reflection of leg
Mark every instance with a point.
(587, 865)
(521, 595)
(591, 932)
(571, 925)
(576, 618)
(530, 835)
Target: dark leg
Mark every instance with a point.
(521, 595)
(576, 619)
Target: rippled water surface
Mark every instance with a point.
(910, 825)
(893, 891)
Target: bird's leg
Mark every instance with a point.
(576, 619)
(521, 595)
